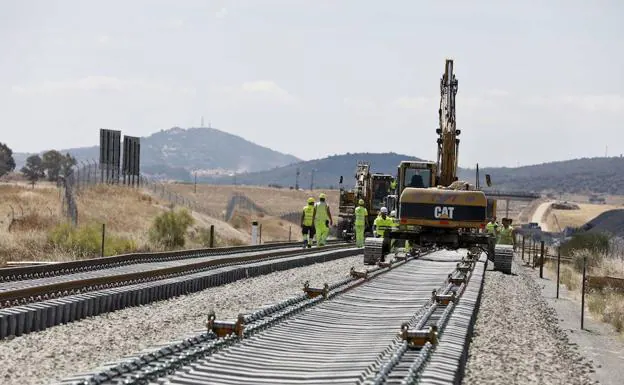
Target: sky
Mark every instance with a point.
(538, 80)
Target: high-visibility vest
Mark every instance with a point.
(321, 212)
(360, 215)
(505, 236)
(491, 227)
(308, 213)
(382, 224)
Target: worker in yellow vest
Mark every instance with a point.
(492, 226)
(322, 220)
(307, 223)
(382, 222)
(506, 234)
(361, 221)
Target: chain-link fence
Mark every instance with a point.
(90, 174)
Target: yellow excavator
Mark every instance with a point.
(434, 208)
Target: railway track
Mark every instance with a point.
(393, 324)
(10, 274)
(33, 305)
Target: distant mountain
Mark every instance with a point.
(176, 153)
(603, 175)
(327, 171)
(587, 175)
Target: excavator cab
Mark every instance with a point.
(416, 175)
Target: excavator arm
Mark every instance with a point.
(448, 143)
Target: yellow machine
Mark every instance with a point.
(434, 207)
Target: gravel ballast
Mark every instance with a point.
(517, 339)
(56, 353)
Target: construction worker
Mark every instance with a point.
(361, 221)
(395, 220)
(393, 186)
(382, 222)
(322, 220)
(307, 223)
(492, 226)
(506, 234)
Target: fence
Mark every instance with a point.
(90, 174)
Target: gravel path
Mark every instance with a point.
(517, 338)
(58, 352)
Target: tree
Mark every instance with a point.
(33, 170)
(67, 163)
(7, 163)
(52, 162)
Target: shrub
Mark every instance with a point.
(86, 241)
(596, 243)
(169, 228)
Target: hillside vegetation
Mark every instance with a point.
(33, 227)
(327, 171)
(598, 175)
(588, 175)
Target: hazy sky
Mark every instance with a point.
(538, 80)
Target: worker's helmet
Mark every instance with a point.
(310, 200)
(322, 196)
(393, 213)
(384, 210)
(361, 202)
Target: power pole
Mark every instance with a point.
(297, 180)
(195, 187)
(312, 180)
(477, 183)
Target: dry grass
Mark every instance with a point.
(576, 218)
(127, 213)
(605, 305)
(273, 200)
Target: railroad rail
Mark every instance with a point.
(407, 319)
(38, 307)
(28, 291)
(18, 273)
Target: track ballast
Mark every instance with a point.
(349, 333)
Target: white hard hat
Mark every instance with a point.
(393, 213)
(384, 210)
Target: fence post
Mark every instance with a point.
(260, 235)
(289, 233)
(103, 234)
(254, 232)
(211, 236)
(522, 247)
(583, 292)
(558, 266)
(542, 259)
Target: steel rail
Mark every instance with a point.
(19, 320)
(41, 292)
(9, 274)
(342, 335)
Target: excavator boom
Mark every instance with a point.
(448, 143)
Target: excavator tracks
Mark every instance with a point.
(395, 324)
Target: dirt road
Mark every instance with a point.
(538, 215)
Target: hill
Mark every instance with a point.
(587, 175)
(327, 171)
(177, 152)
(604, 175)
(31, 223)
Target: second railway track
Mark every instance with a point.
(66, 298)
(395, 324)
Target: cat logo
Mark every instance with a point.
(442, 212)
